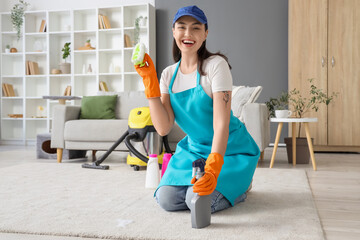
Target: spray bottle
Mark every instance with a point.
(200, 206)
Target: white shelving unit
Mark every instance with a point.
(110, 61)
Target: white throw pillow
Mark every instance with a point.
(242, 95)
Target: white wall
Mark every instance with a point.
(6, 5)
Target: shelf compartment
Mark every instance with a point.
(11, 106)
(33, 21)
(13, 65)
(6, 25)
(17, 85)
(110, 62)
(59, 21)
(111, 40)
(85, 86)
(113, 14)
(35, 43)
(143, 38)
(12, 129)
(32, 105)
(11, 39)
(114, 83)
(128, 65)
(82, 37)
(133, 12)
(85, 20)
(83, 60)
(133, 82)
(57, 42)
(58, 85)
(41, 61)
(36, 87)
(35, 127)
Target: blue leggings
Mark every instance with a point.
(176, 198)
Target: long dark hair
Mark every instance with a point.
(203, 54)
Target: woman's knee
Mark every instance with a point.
(171, 198)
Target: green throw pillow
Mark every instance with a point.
(98, 107)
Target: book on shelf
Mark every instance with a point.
(42, 26)
(127, 41)
(104, 22)
(103, 86)
(5, 91)
(8, 90)
(101, 26)
(27, 68)
(32, 68)
(67, 91)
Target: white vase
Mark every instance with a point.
(7, 50)
(111, 68)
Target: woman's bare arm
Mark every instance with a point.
(222, 108)
(162, 114)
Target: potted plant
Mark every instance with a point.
(7, 48)
(65, 67)
(17, 16)
(137, 29)
(300, 106)
(276, 105)
(142, 21)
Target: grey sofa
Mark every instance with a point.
(70, 132)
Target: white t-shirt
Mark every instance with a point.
(218, 77)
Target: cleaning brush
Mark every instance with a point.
(138, 55)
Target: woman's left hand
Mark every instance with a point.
(207, 183)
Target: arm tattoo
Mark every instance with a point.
(226, 97)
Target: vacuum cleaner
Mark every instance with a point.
(141, 139)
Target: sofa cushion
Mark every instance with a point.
(126, 101)
(95, 130)
(242, 95)
(98, 107)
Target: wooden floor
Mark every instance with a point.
(336, 190)
(335, 187)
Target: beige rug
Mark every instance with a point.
(67, 200)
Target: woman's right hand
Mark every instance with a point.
(150, 80)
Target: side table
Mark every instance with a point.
(293, 121)
(62, 99)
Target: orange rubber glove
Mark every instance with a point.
(207, 183)
(150, 80)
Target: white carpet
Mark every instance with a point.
(67, 200)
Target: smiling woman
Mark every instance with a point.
(196, 92)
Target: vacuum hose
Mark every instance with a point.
(112, 148)
(166, 144)
(132, 149)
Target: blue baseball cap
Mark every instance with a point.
(192, 11)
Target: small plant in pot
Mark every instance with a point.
(65, 67)
(300, 106)
(278, 105)
(7, 48)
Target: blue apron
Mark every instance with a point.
(193, 110)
